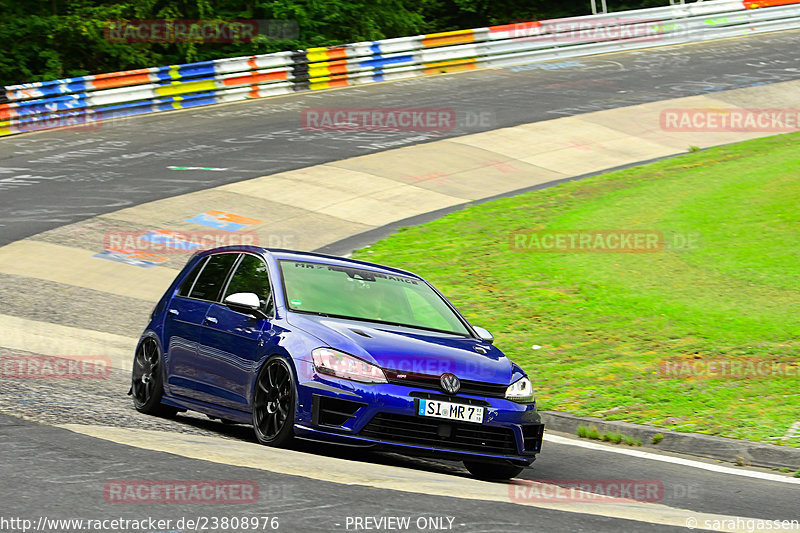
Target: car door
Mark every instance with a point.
(184, 323)
(232, 341)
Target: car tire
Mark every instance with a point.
(275, 403)
(493, 471)
(147, 380)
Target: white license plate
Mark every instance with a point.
(451, 411)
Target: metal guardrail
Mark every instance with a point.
(87, 100)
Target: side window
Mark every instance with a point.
(210, 281)
(186, 286)
(252, 276)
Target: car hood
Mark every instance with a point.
(410, 350)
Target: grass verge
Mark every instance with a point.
(700, 336)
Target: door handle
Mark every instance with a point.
(211, 319)
(174, 312)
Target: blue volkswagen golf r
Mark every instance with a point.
(319, 347)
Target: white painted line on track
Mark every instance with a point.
(557, 439)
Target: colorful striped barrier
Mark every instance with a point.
(86, 100)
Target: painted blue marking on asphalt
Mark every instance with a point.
(205, 219)
(121, 257)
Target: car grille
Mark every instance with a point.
(424, 381)
(459, 436)
(447, 398)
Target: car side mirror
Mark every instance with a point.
(484, 334)
(245, 302)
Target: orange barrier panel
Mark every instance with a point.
(755, 4)
(120, 81)
(333, 53)
(448, 38)
(255, 78)
(121, 73)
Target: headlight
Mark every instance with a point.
(341, 365)
(520, 391)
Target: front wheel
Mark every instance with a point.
(274, 403)
(147, 385)
(493, 471)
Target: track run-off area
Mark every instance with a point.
(64, 192)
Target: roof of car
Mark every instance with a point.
(311, 257)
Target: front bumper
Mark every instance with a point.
(385, 415)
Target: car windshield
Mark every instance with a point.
(346, 292)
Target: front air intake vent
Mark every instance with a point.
(532, 437)
(326, 411)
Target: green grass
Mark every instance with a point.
(592, 432)
(607, 322)
(588, 433)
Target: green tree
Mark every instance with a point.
(41, 40)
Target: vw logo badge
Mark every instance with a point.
(450, 383)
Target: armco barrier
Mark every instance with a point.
(89, 99)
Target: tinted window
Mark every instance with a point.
(209, 282)
(350, 292)
(186, 286)
(251, 276)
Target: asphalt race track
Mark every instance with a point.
(51, 179)
(300, 504)
(55, 473)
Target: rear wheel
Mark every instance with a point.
(147, 381)
(493, 471)
(274, 403)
